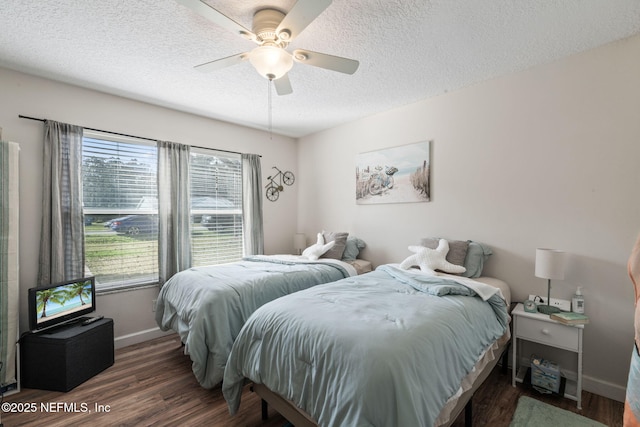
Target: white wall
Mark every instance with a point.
(42, 98)
(543, 158)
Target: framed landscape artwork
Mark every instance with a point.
(394, 175)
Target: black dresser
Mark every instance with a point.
(62, 358)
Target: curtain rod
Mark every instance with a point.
(132, 136)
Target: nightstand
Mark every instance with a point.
(539, 328)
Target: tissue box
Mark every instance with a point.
(545, 374)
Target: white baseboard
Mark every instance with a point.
(140, 336)
(604, 388)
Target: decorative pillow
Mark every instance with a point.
(477, 255)
(340, 240)
(430, 260)
(457, 249)
(353, 248)
(314, 252)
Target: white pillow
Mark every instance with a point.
(430, 260)
(314, 252)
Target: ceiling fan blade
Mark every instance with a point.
(283, 85)
(300, 15)
(222, 63)
(329, 62)
(217, 18)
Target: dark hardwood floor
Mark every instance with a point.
(152, 384)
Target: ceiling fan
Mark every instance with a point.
(272, 31)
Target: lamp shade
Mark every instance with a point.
(270, 61)
(550, 264)
(299, 241)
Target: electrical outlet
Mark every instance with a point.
(562, 304)
(153, 305)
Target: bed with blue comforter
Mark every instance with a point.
(387, 348)
(207, 306)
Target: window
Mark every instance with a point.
(121, 209)
(119, 179)
(216, 207)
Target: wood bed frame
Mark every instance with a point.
(300, 418)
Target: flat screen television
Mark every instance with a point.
(60, 303)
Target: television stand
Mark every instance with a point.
(58, 327)
(62, 358)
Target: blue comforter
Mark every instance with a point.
(387, 348)
(207, 306)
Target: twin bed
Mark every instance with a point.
(396, 346)
(207, 306)
(392, 347)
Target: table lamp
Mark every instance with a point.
(299, 242)
(549, 265)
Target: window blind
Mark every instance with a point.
(216, 207)
(121, 210)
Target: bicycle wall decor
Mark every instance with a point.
(274, 187)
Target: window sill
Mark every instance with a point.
(116, 289)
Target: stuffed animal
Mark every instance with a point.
(430, 260)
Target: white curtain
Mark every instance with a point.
(9, 266)
(252, 225)
(62, 231)
(174, 216)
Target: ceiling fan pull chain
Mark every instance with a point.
(270, 114)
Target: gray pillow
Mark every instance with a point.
(338, 249)
(457, 249)
(353, 248)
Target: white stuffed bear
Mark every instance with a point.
(430, 260)
(314, 252)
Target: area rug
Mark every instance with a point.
(534, 413)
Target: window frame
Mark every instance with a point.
(237, 231)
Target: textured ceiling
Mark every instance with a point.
(408, 50)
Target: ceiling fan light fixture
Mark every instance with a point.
(270, 61)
